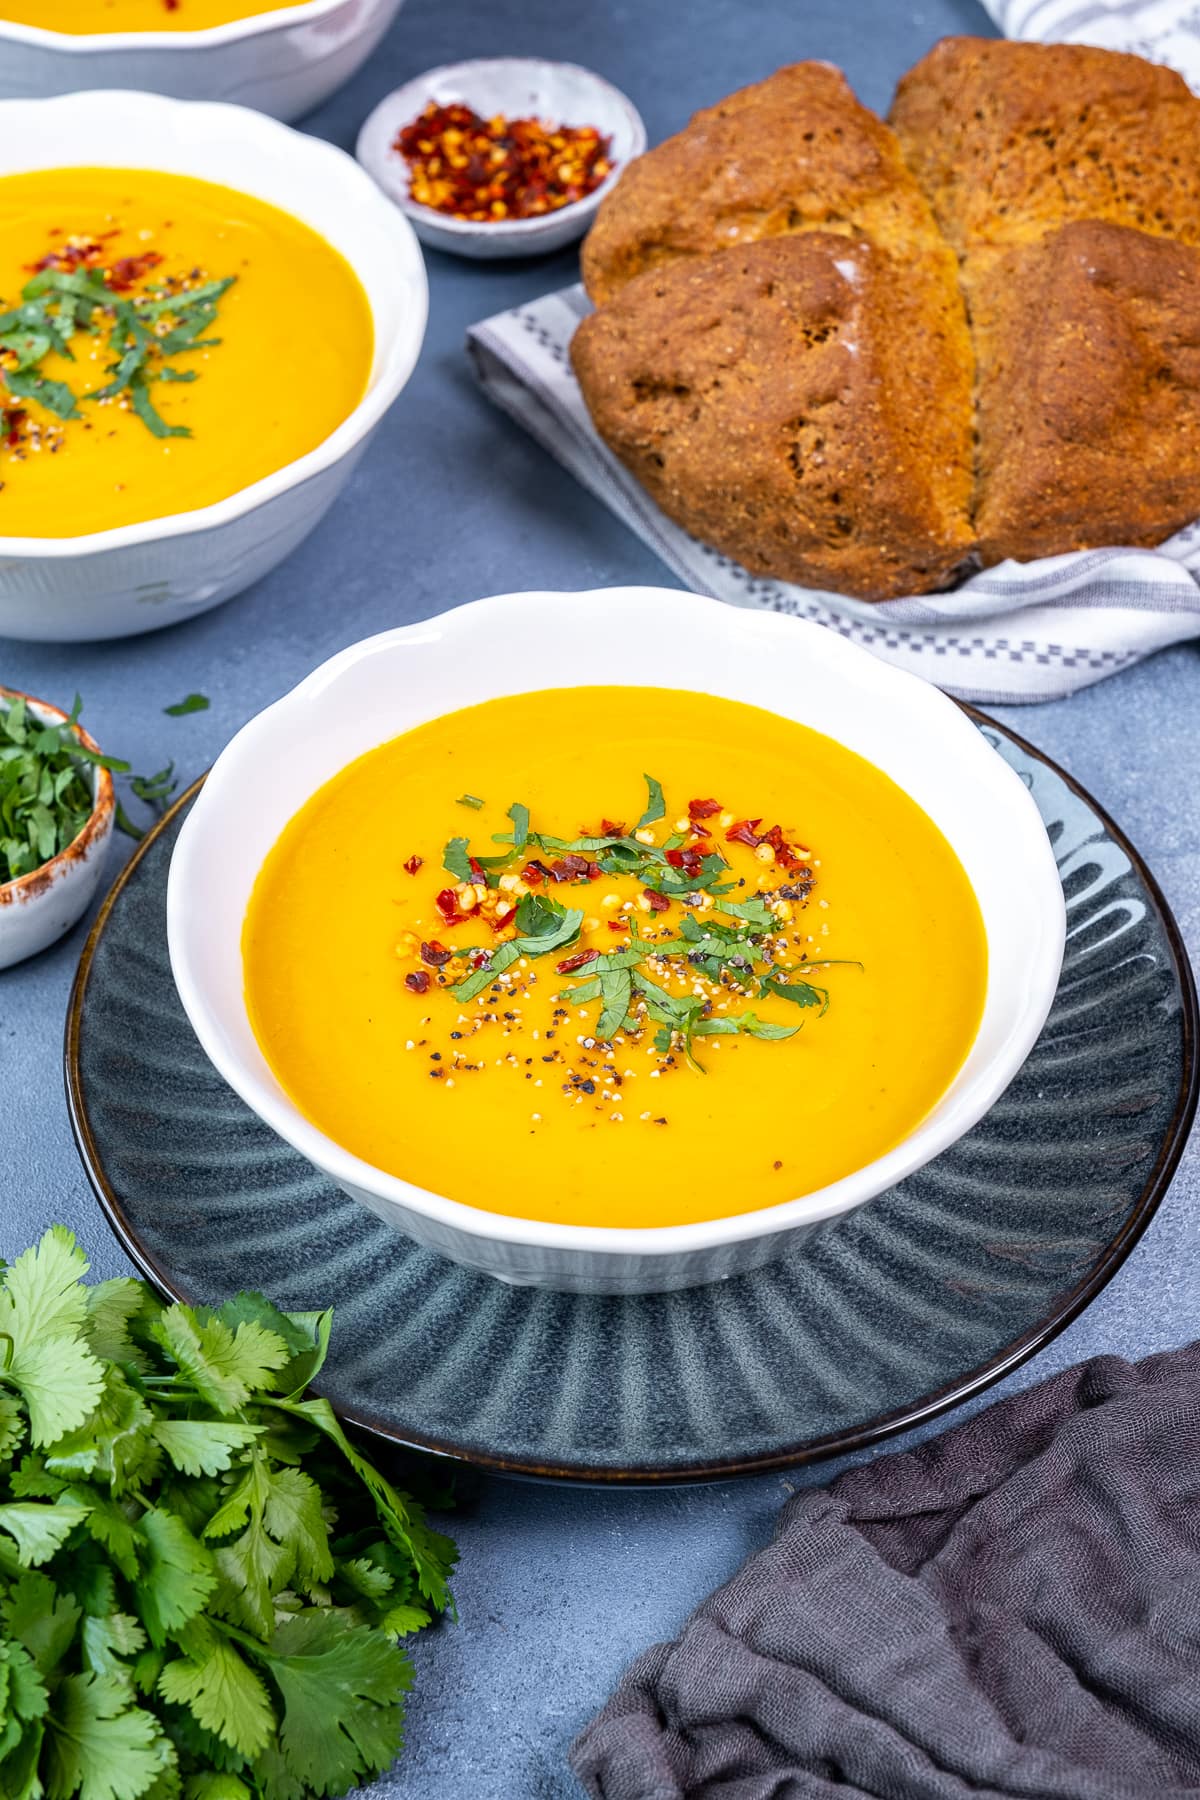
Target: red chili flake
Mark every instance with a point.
(594, 871)
(122, 274)
(658, 902)
(534, 873)
(744, 832)
(617, 925)
(703, 809)
(447, 904)
(78, 254)
(498, 168)
(435, 954)
(480, 959)
(13, 418)
(610, 828)
(577, 961)
(413, 864)
(572, 868)
(418, 981)
(779, 844)
(476, 868)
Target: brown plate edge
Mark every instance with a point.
(1066, 1309)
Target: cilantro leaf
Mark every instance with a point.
(39, 1530)
(520, 824)
(471, 800)
(191, 703)
(223, 1366)
(97, 1745)
(544, 926)
(42, 1621)
(616, 990)
(112, 1308)
(292, 1512)
(801, 993)
(223, 1693)
(747, 1024)
(177, 1576)
(42, 1306)
(12, 1424)
(338, 1681)
(402, 1620)
(755, 912)
(105, 1642)
(656, 807)
(455, 860)
(201, 1446)
(42, 1292)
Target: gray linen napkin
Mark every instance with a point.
(1022, 631)
(1010, 1610)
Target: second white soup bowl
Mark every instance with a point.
(522, 642)
(283, 62)
(135, 578)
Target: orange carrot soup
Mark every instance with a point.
(82, 18)
(614, 956)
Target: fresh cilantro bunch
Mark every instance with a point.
(201, 1580)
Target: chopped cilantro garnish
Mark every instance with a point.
(191, 704)
(46, 794)
(471, 800)
(723, 948)
(144, 330)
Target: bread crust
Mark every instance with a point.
(802, 403)
(796, 152)
(1088, 346)
(1010, 140)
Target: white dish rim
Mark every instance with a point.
(608, 1242)
(393, 372)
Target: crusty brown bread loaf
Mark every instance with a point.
(794, 153)
(817, 427)
(802, 402)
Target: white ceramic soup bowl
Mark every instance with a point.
(135, 578)
(39, 908)
(283, 63)
(522, 642)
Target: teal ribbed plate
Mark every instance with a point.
(922, 1297)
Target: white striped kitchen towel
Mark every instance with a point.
(1021, 631)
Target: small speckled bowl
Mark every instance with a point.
(518, 87)
(41, 907)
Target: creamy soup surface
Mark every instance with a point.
(764, 966)
(243, 337)
(85, 17)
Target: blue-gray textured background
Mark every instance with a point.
(558, 1588)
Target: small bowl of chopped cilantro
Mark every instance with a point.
(57, 811)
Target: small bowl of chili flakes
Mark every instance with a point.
(506, 156)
